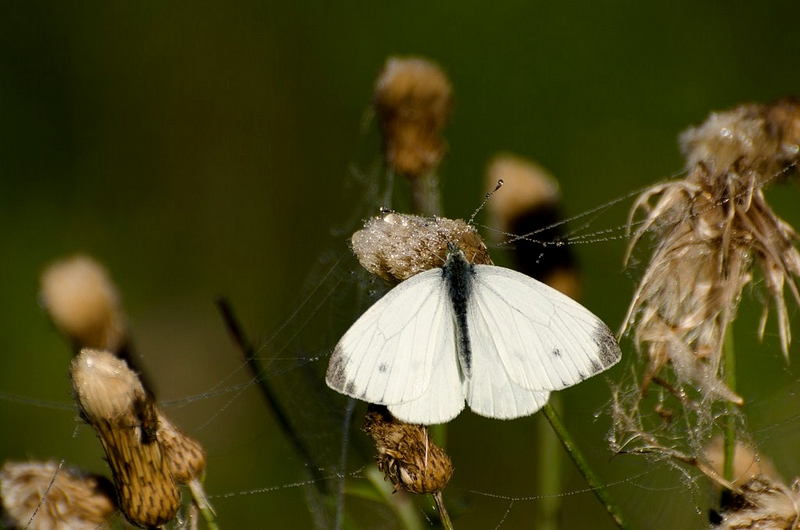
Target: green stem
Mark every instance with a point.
(201, 501)
(582, 464)
(549, 469)
(729, 360)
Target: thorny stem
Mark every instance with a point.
(444, 517)
(582, 464)
(235, 329)
(729, 359)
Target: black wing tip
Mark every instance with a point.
(608, 347)
(335, 376)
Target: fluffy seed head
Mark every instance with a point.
(83, 303)
(413, 98)
(406, 454)
(106, 388)
(396, 246)
(73, 500)
(711, 228)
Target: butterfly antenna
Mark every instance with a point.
(485, 200)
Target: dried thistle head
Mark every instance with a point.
(763, 504)
(114, 403)
(406, 454)
(711, 228)
(530, 203)
(413, 98)
(73, 500)
(83, 303)
(396, 246)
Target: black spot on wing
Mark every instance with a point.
(556, 352)
(382, 368)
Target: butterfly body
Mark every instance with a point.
(490, 336)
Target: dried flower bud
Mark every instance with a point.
(113, 401)
(529, 204)
(747, 464)
(83, 303)
(73, 500)
(397, 246)
(186, 457)
(763, 504)
(406, 454)
(413, 98)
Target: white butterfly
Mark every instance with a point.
(495, 337)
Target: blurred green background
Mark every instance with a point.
(201, 149)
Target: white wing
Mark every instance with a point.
(528, 339)
(402, 352)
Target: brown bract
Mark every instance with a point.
(397, 246)
(406, 454)
(413, 99)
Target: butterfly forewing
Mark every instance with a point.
(543, 339)
(392, 352)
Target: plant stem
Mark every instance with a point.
(236, 331)
(729, 360)
(444, 517)
(201, 501)
(549, 469)
(582, 464)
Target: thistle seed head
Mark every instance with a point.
(406, 454)
(62, 498)
(711, 229)
(413, 98)
(114, 403)
(763, 504)
(83, 303)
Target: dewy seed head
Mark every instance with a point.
(397, 246)
(106, 388)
